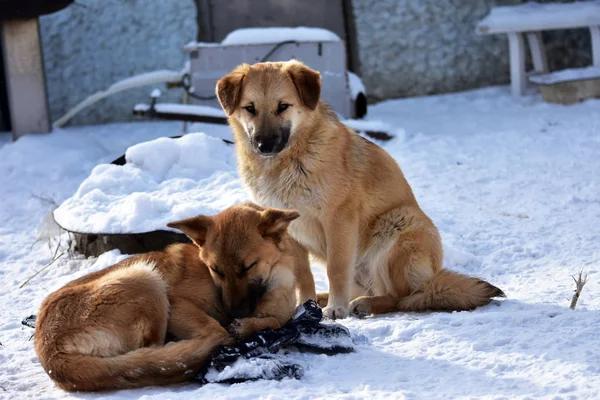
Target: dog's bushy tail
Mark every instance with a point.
(148, 366)
(450, 291)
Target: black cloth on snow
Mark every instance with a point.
(262, 355)
(259, 356)
(29, 321)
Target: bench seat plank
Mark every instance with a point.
(531, 17)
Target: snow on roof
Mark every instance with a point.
(276, 35)
(535, 16)
(163, 180)
(567, 75)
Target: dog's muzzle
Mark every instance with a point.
(272, 142)
(244, 306)
(268, 146)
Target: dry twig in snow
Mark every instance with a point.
(47, 265)
(580, 282)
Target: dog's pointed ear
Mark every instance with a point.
(307, 82)
(195, 228)
(252, 205)
(229, 88)
(274, 222)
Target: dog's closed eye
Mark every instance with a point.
(244, 269)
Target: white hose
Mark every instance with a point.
(150, 78)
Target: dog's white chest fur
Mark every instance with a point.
(287, 192)
(265, 193)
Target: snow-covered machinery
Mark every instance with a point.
(318, 48)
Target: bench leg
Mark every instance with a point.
(536, 46)
(595, 33)
(517, 63)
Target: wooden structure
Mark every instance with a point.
(24, 65)
(570, 85)
(25, 77)
(529, 20)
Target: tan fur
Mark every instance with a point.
(258, 273)
(107, 329)
(358, 212)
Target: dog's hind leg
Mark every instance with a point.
(188, 321)
(410, 264)
(414, 276)
(366, 305)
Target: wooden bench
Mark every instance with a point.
(530, 19)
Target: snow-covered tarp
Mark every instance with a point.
(164, 180)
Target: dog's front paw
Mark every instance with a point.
(335, 312)
(322, 299)
(239, 328)
(360, 307)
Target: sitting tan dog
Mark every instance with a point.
(107, 330)
(358, 212)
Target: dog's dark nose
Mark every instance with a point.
(266, 145)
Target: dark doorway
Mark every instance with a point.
(217, 18)
(4, 111)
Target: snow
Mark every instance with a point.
(190, 109)
(533, 16)
(246, 36)
(567, 75)
(356, 85)
(511, 184)
(374, 125)
(164, 180)
(252, 368)
(185, 109)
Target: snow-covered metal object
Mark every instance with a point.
(318, 48)
(531, 19)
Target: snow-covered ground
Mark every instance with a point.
(513, 186)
